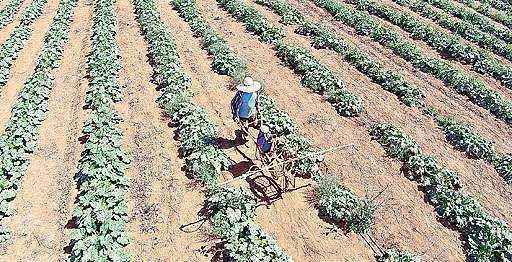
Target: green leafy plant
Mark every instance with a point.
(446, 44)
(461, 137)
(343, 207)
(396, 255)
(503, 165)
(11, 47)
(464, 84)
(8, 12)
(224, 61)
(22, 129)
(487, 238)
(100, 212)
(253, 20)
(231, 211)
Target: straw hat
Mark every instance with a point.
(249, 86)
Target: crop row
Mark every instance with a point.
(458, 134)
(463, 138)
(486, 9)
(100, 213)
(230, 210)
(22, 129)
(498, 4)
(10, 49)
(224, 62)
(314, 75)
(446, 44)
(7, 14)
(464, 84)
(323, 37)
(335, 202)
(396, 255)
(486, 237)
(464, 29)
(468, 15)
(498, 233)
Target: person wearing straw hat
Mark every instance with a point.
(244, 105)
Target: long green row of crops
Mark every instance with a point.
(230, 210)
(100, 212)
(444, 43)
(9, 11)
(22, 130)
(334, 201)
(10, 48)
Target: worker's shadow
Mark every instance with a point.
(224, 143)
(240, 168)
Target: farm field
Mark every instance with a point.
(118, 142)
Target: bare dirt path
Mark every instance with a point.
(480, 177)
(438, 95)
(26, 62)
(303, 242)
(44, 203)
(159, 199)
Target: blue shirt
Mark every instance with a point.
(263, 143)
(247, 105)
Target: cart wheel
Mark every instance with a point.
(264, 187)
(322, 166)
(288, 177)
(280, 176)
(244, 131)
